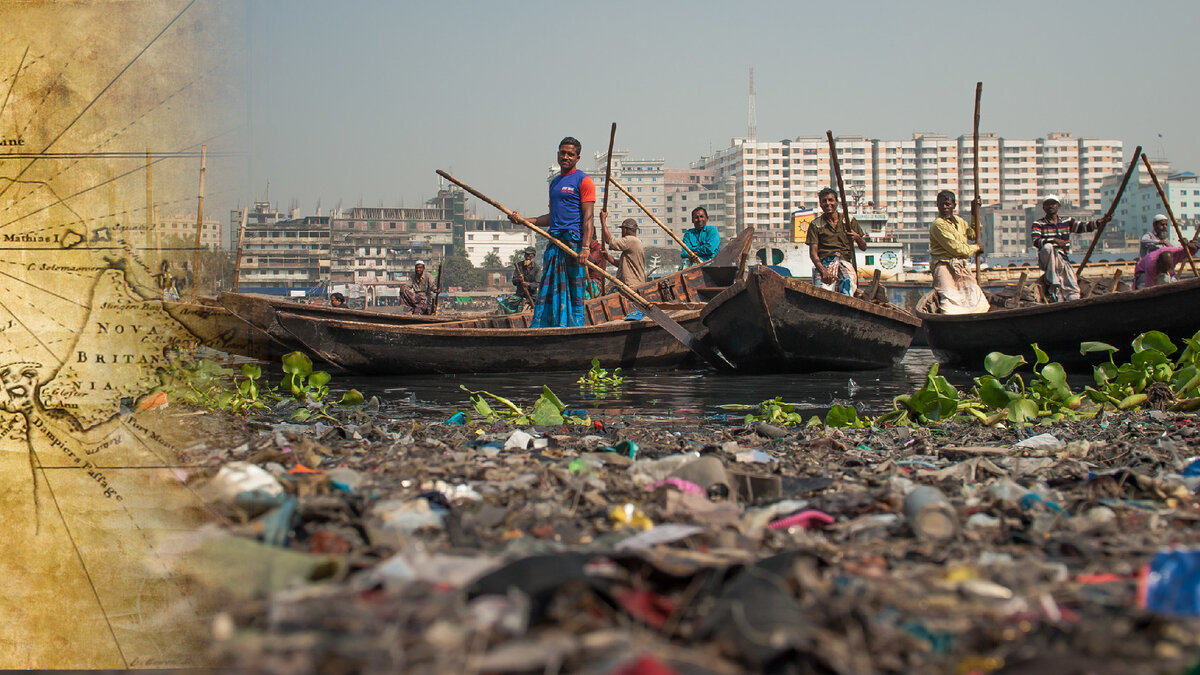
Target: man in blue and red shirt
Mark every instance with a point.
(1052, 239)
(572, 198)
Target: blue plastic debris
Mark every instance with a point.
(626, 447)
(1173, 583)
(635, 315)
(459, 417)
(1192, 469)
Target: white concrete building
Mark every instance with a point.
(496, 236)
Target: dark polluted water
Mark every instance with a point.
(664, 394)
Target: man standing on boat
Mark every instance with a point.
(1052, 238)
(1156, 238)
(631, 268)
(831, 246)
(418, 292)
(950, 249)
(703, 239)
(572, 198)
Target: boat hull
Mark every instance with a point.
(770, 323)
(375, 349)
(1059, 328)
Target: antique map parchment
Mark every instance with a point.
(90, 490)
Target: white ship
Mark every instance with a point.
(884, 252)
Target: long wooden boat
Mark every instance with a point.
(260, 314)
(506, 343)
(1059, 328)
(770, 323)
(215, 327)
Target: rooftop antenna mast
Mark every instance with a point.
(752, 125)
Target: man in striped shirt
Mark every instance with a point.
(1052, 238)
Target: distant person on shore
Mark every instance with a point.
(1052, 238)
(337, 300)
(418, 292)
(596, 283)
(1158, 267)
(525, 276)
(831, 246)
(572, 199)
(950, 251)
(703, 239)
(1156, 238)
(631, 267)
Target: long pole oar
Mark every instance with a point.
(438, 292)
(837, 173)
(524, 285)
(612, 136)
(1163, 195)
(658, 222)
(710, 354)
(975, 168)
(1111, 208)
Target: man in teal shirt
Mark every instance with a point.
(703, 239)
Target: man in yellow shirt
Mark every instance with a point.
(950, 249)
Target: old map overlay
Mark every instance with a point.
(104, 109)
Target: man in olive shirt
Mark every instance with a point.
(831, 247)
(631, 268)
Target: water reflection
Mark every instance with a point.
(657, 393)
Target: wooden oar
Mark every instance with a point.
(669, 231)
(612, 136)
(438, 293)
(975, 168)
(1111, 209)
(524, 286)
(710, 354)
(837, 172)
(1163, 195)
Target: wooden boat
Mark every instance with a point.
(260, 314)
(506, 343)
(770, 323)
(1059, 328)
(214, 326)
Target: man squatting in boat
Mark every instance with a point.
(418, 292)
(572, 199)
(831, 246)
(1052, 238)
(950, 250)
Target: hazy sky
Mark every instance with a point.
(362, 101)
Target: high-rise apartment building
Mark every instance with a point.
(901, 178)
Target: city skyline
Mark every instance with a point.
(362, 103)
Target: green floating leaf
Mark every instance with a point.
(1022, 410)
(1040, 355)
(1054, 375)
(993, 393)
(297, 363)
(252, 370)
(319, 378)
(1089, 347)
(841, 416)
(352, 397)
(1001, 365)
(546, 413)
(1154, 340)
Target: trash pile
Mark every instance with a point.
(638, 546)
